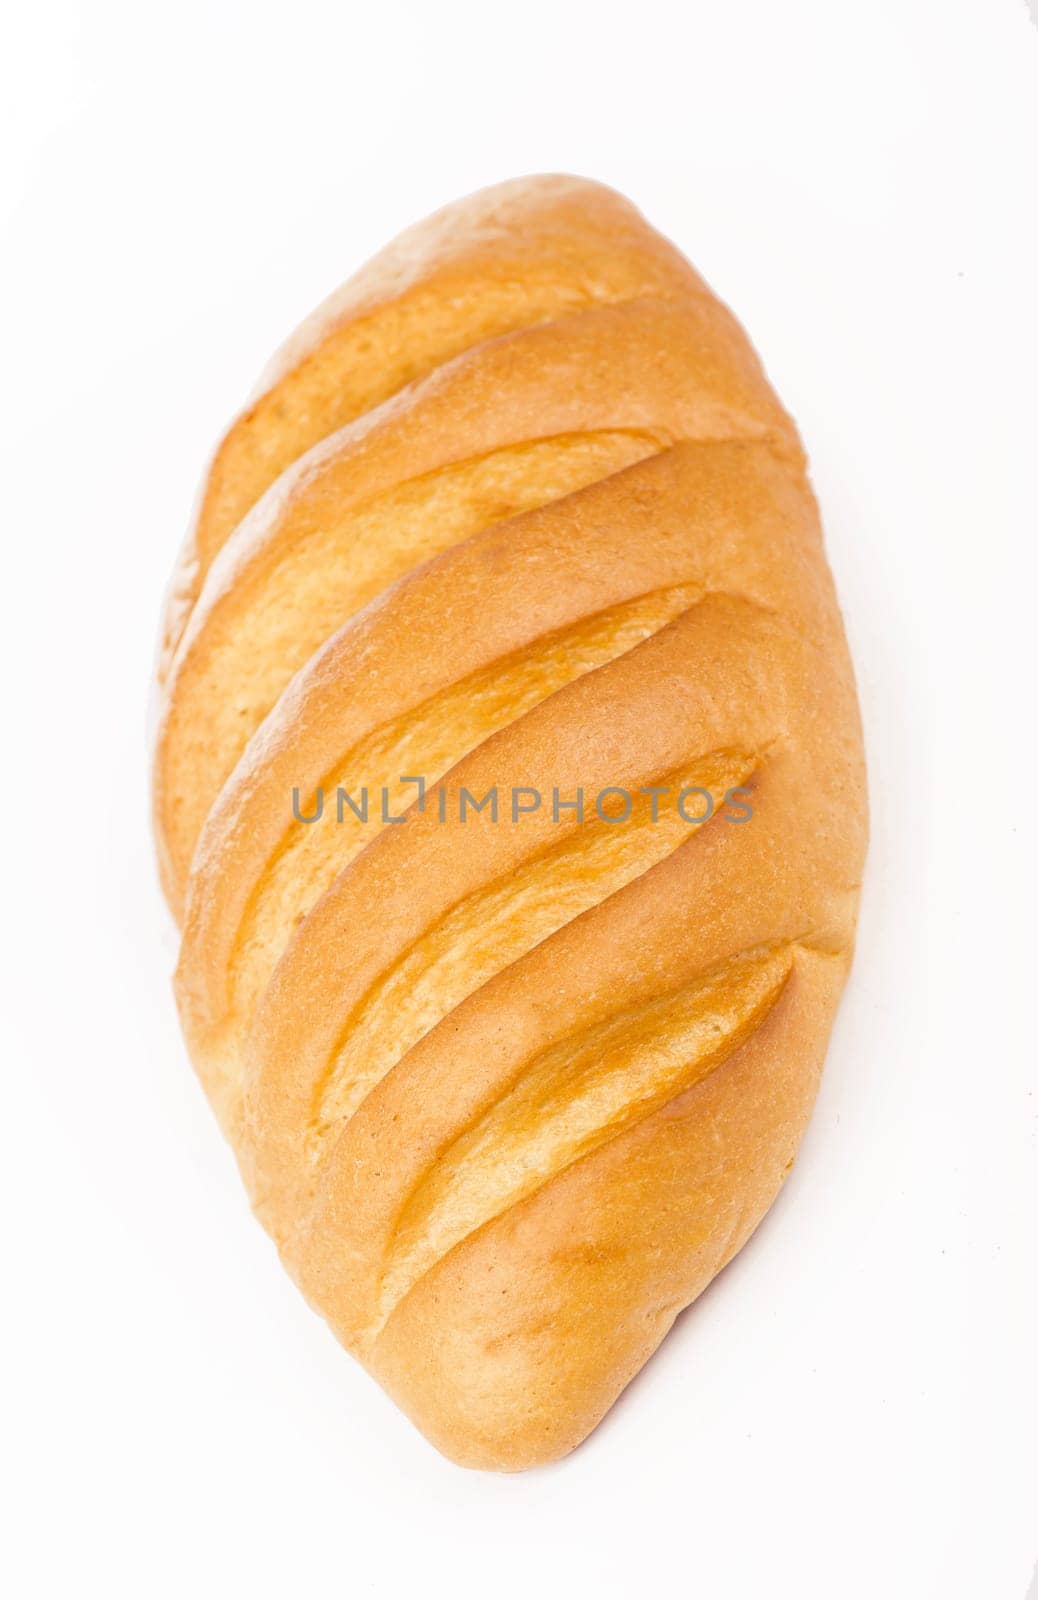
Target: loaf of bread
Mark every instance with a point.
(509, 794)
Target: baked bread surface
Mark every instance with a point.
(517, 510)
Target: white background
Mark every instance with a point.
(847, 1412)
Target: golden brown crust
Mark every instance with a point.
(508, 257)
(511, 424)
(508, 1091)
(515, 1345)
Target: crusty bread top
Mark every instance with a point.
(516, 422)
(517, 508)
(506, 258)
